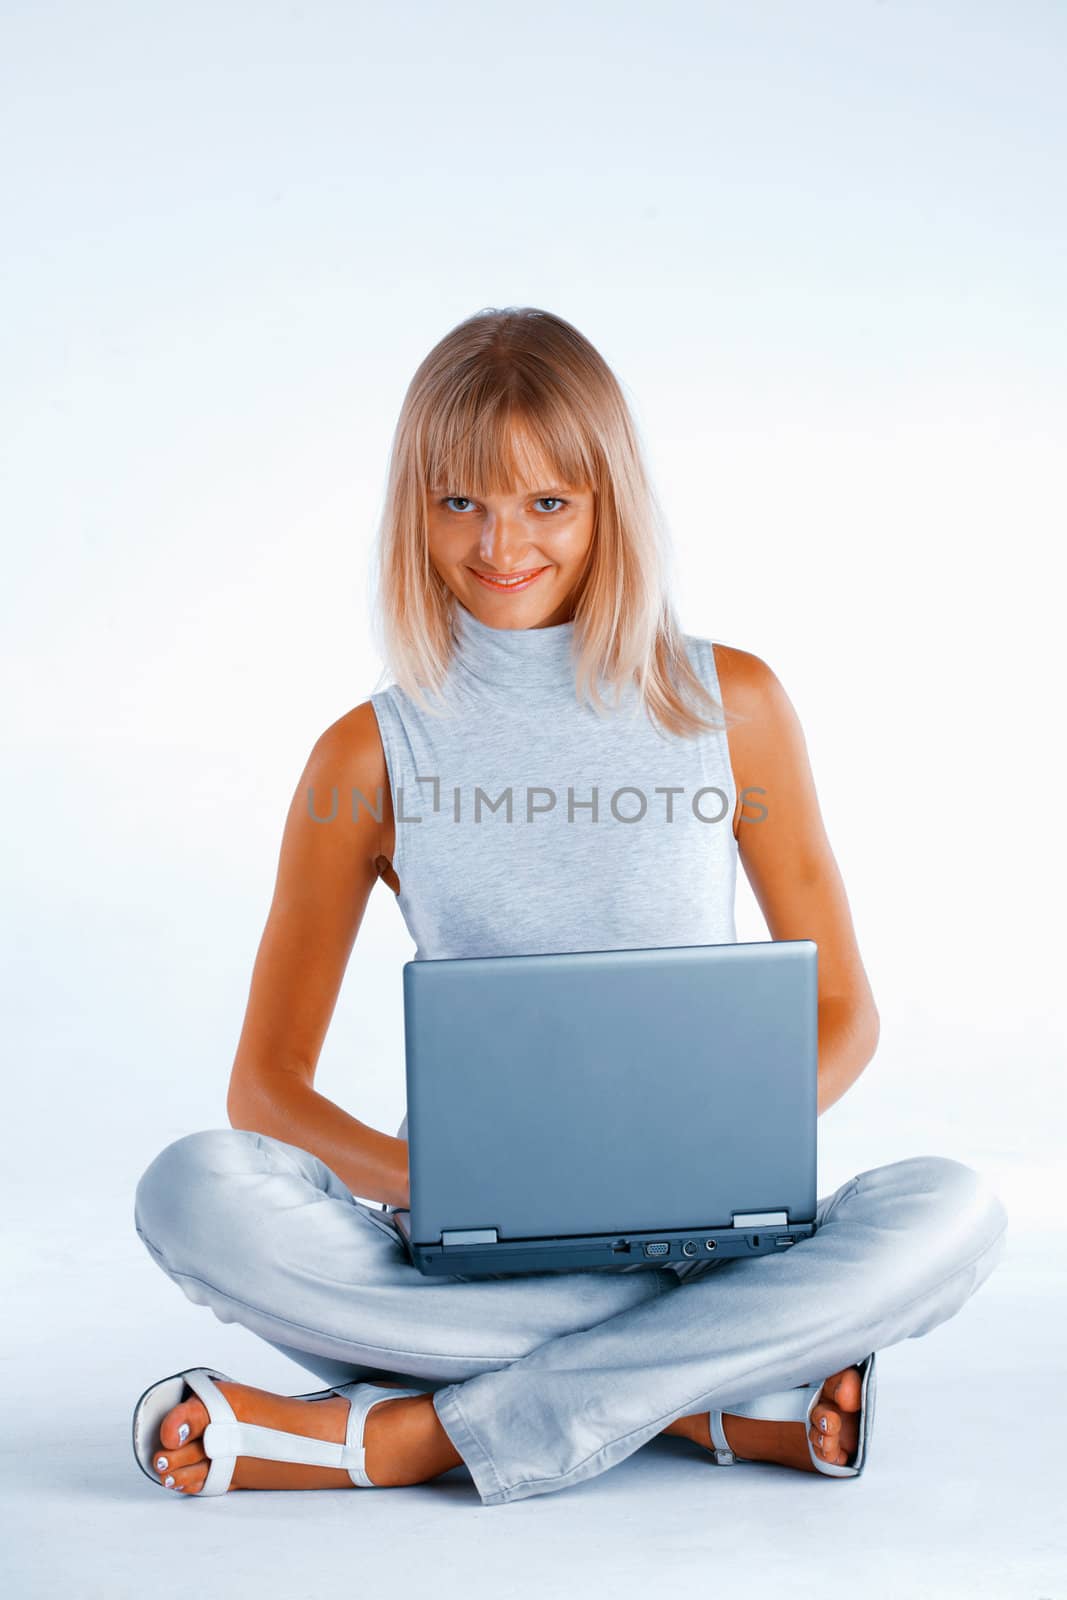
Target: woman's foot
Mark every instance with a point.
(834, 1429)
(404, 1441)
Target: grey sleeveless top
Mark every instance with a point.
(529, 823)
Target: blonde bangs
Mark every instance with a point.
(509, 442)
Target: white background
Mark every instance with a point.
(822, 246)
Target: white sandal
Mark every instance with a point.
(796, 1405)
(225, 1438)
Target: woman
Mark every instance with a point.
(526, 614)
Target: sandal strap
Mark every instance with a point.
(201, 1380)
(361, 1398)
(779, 1405)
(232, 1439)
(723, 1454)
(225, 1441)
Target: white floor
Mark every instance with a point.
(962, 1495)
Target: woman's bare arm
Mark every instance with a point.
(326, 872)
(789, 863)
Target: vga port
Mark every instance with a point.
(659, 1248)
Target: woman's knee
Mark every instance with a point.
(968, 1195)
(186, 1179)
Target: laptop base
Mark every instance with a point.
(607, 1252)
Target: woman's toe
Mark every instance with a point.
(167, 1462)
(843, 1389)
(825, 1422)
(183, 1424)
(837, 1441)
(187, 1480)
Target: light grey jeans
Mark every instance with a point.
(544, 1380)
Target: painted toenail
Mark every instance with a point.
(822, 1425)
(161, 1463)
(168, 1483)
(183, 1433)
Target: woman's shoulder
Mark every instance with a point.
(763, 728)
(743, 675)
(758, 712)
(745, 680)
(349, 751)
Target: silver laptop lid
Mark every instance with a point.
(611, 1091)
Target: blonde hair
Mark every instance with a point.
(503, 393)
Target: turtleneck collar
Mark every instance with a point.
(513, 656)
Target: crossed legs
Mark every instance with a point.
(544, 1380)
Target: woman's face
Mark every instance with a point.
(545, 528)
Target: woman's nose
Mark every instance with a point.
(501, 542)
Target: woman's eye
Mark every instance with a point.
(465, 499)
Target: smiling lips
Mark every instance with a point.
(513, 582)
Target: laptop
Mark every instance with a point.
(610, 1109)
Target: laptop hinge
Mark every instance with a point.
(469, 1236)
(760, 1219)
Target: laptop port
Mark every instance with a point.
(621, 1247)
(709, 1244)
(659, 1248)
(689, 1248)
